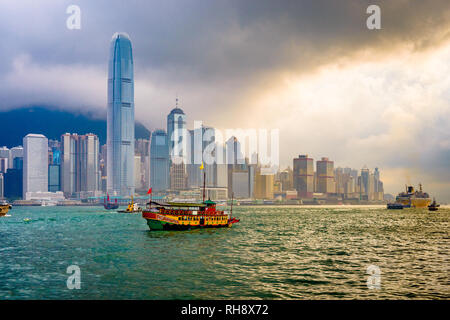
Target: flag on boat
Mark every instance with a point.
(201, 166)
(149, 191)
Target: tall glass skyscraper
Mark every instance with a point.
(159, 161)
(120, 126)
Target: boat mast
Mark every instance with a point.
(204, 184)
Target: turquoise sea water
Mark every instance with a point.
(273, 253)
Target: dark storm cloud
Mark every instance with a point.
(217, 39)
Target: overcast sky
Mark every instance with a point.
(309, 68)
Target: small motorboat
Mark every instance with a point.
(131, 208)
(4, 208)
(434, 206)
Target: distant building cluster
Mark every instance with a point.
(175, 162)
(326, 182)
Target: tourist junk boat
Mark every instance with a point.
(131, 208)
(4, 208)
(434, 206)
(411, 199)
(110, 205)
(185, 216)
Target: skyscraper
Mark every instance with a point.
(159, 161)
(142, 149)
(80, 171)
(89, 172)
(120, 119)
(264, 185)
(68, 176)
(177, 140)
(54, 181)
(325, 176)
(235, 161)
(202, 148)
(5, 153)
(16, 152)
(365, 184)
(4, 165)
(13, 184)
(35, 163)
(303, 176)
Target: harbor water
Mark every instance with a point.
(275, 252)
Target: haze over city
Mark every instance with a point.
(335, 89)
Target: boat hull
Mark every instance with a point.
(158, 221)
(395, 206)
(157, 225)
(110, 206)
(416, 203)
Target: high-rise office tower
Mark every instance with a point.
(376, 183)
(365, 183)
(194, 176)
(263, 185)
(13, 184)
(159, 161)
(142, 149)
(80, 171)
(303, 176)
(54, 180)
(240, 183)
(235, 161)
(69, 165)
(138, 172)
(221, 167)
(35, 163)
(177, 140)
(325, 176)
(202, 147)
(4, 165)
(120, 117)
(16, 152)
(209, 155)
(5, 153)
(89, 172)
(286, 179)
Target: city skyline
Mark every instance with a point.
(392, 94)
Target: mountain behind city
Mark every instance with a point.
(53, 123)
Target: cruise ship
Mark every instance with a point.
(413, 199)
